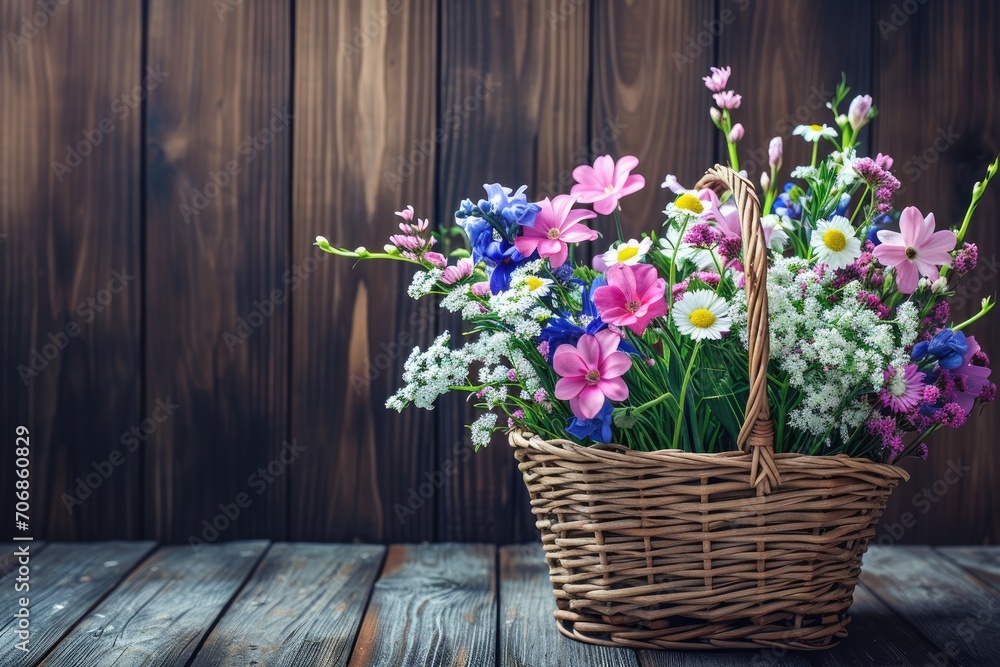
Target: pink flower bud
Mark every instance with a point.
(883, 161)
(462, 269)
(406, 213)
(717, 80)
(716, 115)
(736, 133)
(857, 114)
(765, 181)
(436, 259)
(728, 100)
(481, 289)
(774, 151)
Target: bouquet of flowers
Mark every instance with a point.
(645, 344)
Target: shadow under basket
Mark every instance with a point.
(675, 550)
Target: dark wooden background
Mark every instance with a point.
(392, 102)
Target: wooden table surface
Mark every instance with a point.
(261, 603)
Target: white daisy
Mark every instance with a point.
(813, 133)
(702, 314)
(628, 253)
(686, 206)
(835, 243)
(538, 286)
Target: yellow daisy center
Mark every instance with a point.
(627, 253)
(689, 202)
(815, 128)
(702, 318)
(534, 282)
(834, 239)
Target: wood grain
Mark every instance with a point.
(528, 634)
(434, 604)
(938, 94)
(66, 581)
(647, 85)
(950, 607)
(772, 44)
(69, 222)
(364, 147)
(219, 280)
(302, 606)
(9, 559)
(160, 613)
(982, 562)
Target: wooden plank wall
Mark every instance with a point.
(232, 384)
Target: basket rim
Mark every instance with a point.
(614, 454)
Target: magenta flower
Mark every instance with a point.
(717, 80)
(461, 270)
(903, 388)
(633, 297)
(436, 259)
(556, 225)
(604, 184)
(591, 372)
(973, 378)
(915, 250)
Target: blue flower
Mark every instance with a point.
(597, 429)
(502, 258)
(878, 224)
(509, 211)
(948, 347)
(789, 202)
(845, 201)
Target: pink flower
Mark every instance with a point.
(633, 296)
(481, 289)
(736, 133)
(607, 182)
(728, 100)
(717, 80)
(556, 226)
(591, 372)
(915, 250)
(462, 269)
(406, 213)
(774, 151)
(436, 259)
(903, 388)
(857, 114)
(883, 161)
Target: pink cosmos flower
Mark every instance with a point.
(903, 389)
(915, 250)
(556, 226)
(607, 182)
(590, 372)
(462, 269)
(633, 296)
(717, 80)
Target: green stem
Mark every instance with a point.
(988, 304)
(860, 204)
(815, 153)
(618, 224)
(684, 386)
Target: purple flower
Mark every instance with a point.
(966, 259)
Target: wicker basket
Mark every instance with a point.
(670, 549)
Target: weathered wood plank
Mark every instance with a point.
(928, 57)
(434, 604)
(647, 85)
(302, 606)
(9, 560)
(365, 139)
(66, 581)
(983, 562)
(955, 611)
(160, 613)
(218, 141)
(771, 44)
(70, 258)
(528, 634)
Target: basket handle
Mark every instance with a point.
(757, 433)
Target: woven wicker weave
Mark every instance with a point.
(670, 549)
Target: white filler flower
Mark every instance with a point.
(702, 314)
(834, 242)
